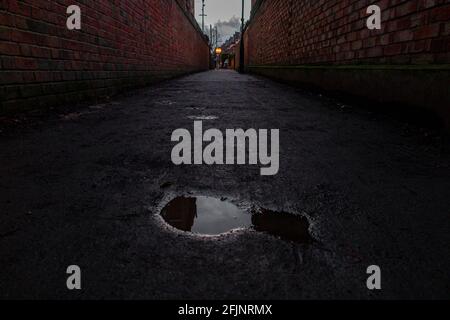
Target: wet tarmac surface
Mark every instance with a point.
(87, 187)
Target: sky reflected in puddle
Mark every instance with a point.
(205, 215)
(211, 216)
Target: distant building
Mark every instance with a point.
(230, 50)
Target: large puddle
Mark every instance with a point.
(211, 216)
(204, 215)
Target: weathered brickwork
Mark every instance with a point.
(297, 32)
(326, 44)
(121, 45)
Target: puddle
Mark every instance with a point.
(165, 102)
(287, 226)
(204, 215)
(204, 118)
(166, 185)
(211, 216)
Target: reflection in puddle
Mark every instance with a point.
(204, 215)
(285, 225)
(210, 216)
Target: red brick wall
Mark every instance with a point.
(122, 44)
(296, 32)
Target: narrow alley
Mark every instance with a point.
(87, 186)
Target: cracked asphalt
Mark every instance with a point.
(85, 188)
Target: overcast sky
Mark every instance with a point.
(222, 10)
